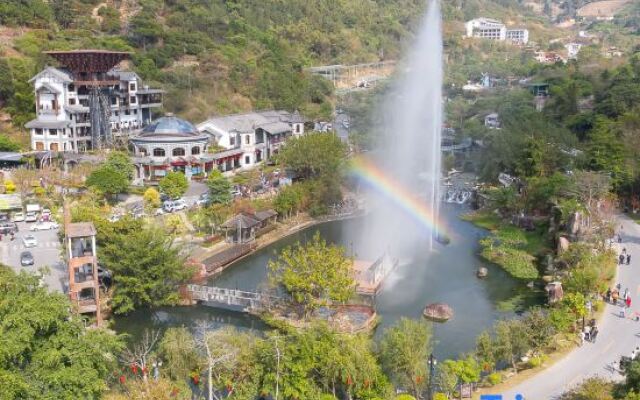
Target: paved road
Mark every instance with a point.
(46, 254)
(618, 336)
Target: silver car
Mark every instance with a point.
(29, 241)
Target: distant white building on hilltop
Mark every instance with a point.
(486, 28)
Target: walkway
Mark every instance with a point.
(617, 337)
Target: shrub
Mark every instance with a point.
(536, 361)
(405, 397)
(494, 378)
(440, 396)
(9, 186)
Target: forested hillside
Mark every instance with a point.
(216, 56)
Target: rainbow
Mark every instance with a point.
(376, 179)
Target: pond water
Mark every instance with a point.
(446, 275)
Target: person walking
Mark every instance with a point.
(621, 259)
(608, 296)
(626, 293)
(594, 334)
(624, 251)
(619, 238)
(581, 336)
(628, 302)
(628, 259)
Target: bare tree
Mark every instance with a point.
(217, 351)
(24, 179)
(139, 355)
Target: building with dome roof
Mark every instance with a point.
(171, 144)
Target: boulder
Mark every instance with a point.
(482, 272)
(563, 244)
(438, 312)
(554, 292)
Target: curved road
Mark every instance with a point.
(618, 336)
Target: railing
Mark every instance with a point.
(222, 297)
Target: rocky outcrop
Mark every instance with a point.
(482, 272)
(438, 312)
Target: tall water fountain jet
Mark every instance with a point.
(406, 193)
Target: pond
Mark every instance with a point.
(445, 275)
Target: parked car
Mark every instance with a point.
(167, 206)
(26, 258)
(31, 217)
(179, 204)
(29, 241)
(43, 226)
(8, 227)
(203, 200)
(18, 217)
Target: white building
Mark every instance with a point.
(63, 121)
(517, 36)
(252, 137)
(572, 50)
(486, 28)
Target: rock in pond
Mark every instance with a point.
(482, 272)
(438, 312)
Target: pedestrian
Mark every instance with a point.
(619, 238)
(628, 302)
(619, 287)
(614, 297)
(626, 293)
(621, 259)
(628, 259)
(624, 250)
(608, 296)
(594, 334)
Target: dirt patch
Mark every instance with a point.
(603, 9)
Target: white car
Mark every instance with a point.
(43, 226)
(18, 217)
(178, 205)
(31, 217)
(29, 241)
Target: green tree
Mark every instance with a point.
(511, 342)
(174, 184)
(404, 350)
(108, 180)
(120, 161)
(46, 353)
(485, 351)
(606, 152)
(147, 267)
(576, 305)
(314, 155)
(591, 389)
(289, 200)
(313, 274)
(539, 329)
(7, 144)
(219, 188)
(178, 351)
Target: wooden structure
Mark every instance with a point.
(217, 262)
(244, 227)
(370, 276)
(233, 299)
(84, 287)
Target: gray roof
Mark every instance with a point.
(10, 156)
(80, 229)
(58, 73)
(241, 220)
(276, 127)
(36, 123)
(124, 75)
(265, 214)
(169, 126)
(249, 122)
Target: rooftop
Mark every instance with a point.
(276, 120)
(80, 229)
(89, 60)
(169, 125)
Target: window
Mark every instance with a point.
(132, 99)
(247, 160)
(39, 146)
(158, 152)
(143, 151)
(38, 131)
(72, 102)
(135, 112)
(195, 151)
(297, 128)
(178, 151)
(53, 147)
(117, 113)
(127, 112)
(132, 86)
(232, 141)
(53, 132)
(114, 101)
(72, 88)
(247, 139)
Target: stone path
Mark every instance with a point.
(618, 336)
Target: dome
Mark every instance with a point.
(169, 125)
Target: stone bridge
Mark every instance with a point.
(230, 298)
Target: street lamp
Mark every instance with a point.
(432, 366)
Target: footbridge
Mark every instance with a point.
(231, 299)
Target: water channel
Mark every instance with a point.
(445, 275)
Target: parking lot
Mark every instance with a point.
(45, 254)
